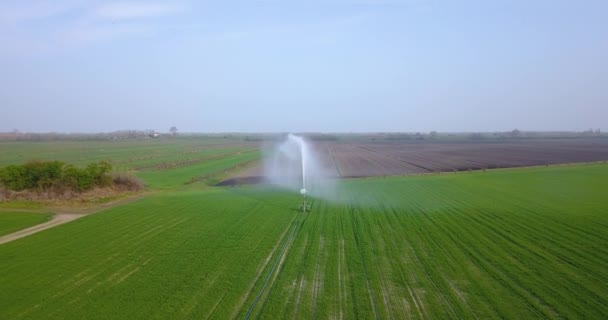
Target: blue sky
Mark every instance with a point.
(335, 65)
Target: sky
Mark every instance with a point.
(303, 65)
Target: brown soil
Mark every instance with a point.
(241, 181)
(388, 158)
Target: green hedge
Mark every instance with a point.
(38, 175)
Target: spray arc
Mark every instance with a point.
(304, 155)
(292, 164)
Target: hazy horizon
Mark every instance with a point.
(166, 131)
(303, 66)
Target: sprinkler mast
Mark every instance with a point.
(305, 206)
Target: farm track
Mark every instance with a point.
(61, 218)
(277, 263)
(58, 219)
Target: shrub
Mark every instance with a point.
(42, 174)
(55, 176)
(127, 181)
(74, 178)
(13, 177)
(99, 173)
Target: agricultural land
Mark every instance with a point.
(516, 230)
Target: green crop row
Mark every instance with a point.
(508, 244)
(187, 255)
(514, 244)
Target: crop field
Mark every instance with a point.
(160, 163)
(359, 158)
(185, 160)
(14, 221)
(512, 243)
(342, 159)
(145, 154)
(197, 171)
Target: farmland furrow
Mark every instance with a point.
(398, 159)
(294, 227)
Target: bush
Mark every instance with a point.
(43, 174)
(73, 178)
(55, 176)
(127, 181)
(13, 177)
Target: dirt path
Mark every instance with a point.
(57, 219)
(65, 217)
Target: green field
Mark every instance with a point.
(188, 174)
(516, 243)
(15, 221)
(145, 154)
(160, 163)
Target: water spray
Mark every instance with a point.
(303, 148)
(303, 156)
(294, 164)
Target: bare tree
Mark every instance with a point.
(173, 130)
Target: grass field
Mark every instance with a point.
(515, 243)
(161, 163)
(183, 175)
(15, 221)
(123, 154)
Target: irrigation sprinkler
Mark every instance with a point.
(305, 207)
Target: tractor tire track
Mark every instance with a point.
(296, 224)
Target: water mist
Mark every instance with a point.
(294, 164)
